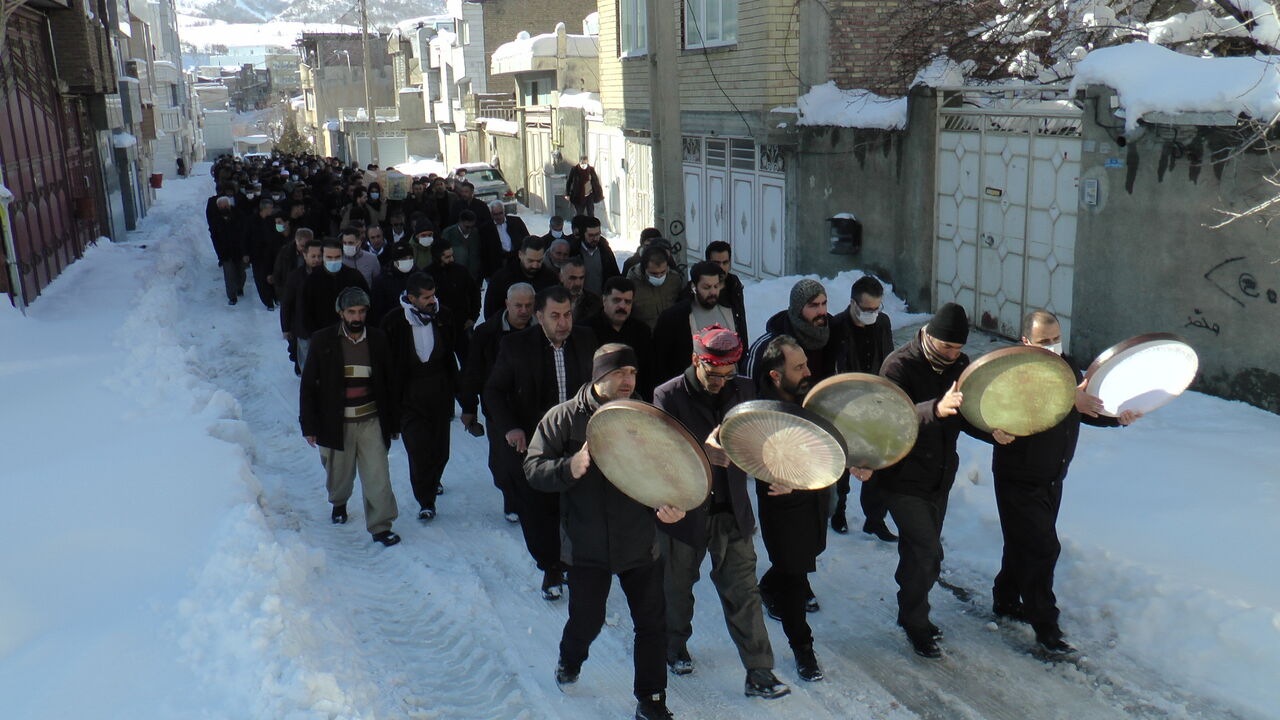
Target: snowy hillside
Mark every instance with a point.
(382, 13)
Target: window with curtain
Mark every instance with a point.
(633, 27)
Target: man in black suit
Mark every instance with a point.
(537, 369)
(595, 251)
(673, 335)
(504, 234)
(526, 267)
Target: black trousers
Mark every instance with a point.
(501, 476)
(266, 291)
(870, 496)
(426, 441)
(789, 592)
(919, 521)
(588, 593)
(233, 277)
(539, 511)
(1028, 520)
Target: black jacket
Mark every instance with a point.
(683, 398)
(264, 243)
(291, 303)
(495, 296)
(793, 526)
(673, 338)
(1045, 457)
(385, 294)
(457, 290)
(320, 292)
(475, 205)
(848, 354)
(608, 261)
(491, 243)
(822, 363)
(733, 295)
(322, 395)
(635, 335)
(600, 527)
(426, 389)
(228, 235)
(522, 385)
(286, 261)
(482, 355)
(575, 185)
(588, 307)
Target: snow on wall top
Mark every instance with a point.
(1151, 78)
(830, 106)
(499, 126)
(544, 45)
(589, 102)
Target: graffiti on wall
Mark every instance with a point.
(1237, 278)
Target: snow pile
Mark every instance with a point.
(589, 102)
(1150, 78)
(828, 105)
(498, 126)
(419, 166)
(123, 140)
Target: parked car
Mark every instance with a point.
(490, 185)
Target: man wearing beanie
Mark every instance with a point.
(605, 533)
(927, 368)
(724, 524)
(349, 408)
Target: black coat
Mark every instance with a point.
(575, 185)
(322, 395)
(793, 526)
(495, 296)
(822, 364)
(588, 307)
(1046, 456)
(482, 355)
(608, 261)
(292, 304)
(457, 290)
(673, 338)
(635, 335)
(733, 296)
(600, 527)
(475, 205)
(320, 292)
(522, 386)
(228, 235)
(385, 294)
(848, 355)
(286, 261)
(930, 468)
(491, 242)
(679, 397)
(426, 389)
(264, 243)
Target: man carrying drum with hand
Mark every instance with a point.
(603, 533)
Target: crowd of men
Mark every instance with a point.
(381, 303)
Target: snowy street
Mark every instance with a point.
(170, 555)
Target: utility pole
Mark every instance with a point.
(664, 122)
(369, 110)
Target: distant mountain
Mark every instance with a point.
(382, 13)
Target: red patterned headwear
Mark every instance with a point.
(717, 345)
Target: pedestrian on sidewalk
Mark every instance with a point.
(292, 307)
(226, 230)
(349, 408)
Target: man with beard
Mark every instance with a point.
(673, 337)
(605, 533)
(349, 409)
(454, 287)
(423, 338)
(465, 240)
(466, 202)
(557, 252)
(699, 397)
(793, 523)
(733, 295)
(928, 369)
(525, 267)
(292, 317)
(614, 324)
(586, 304)
(865, 338)
(481, 357)
(596, 253)
(536, 369)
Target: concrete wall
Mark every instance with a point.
(504, 19)
(510, 152)
(1146, 262)
(886, 179)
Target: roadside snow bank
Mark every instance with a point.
(828, 105)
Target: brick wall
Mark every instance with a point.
(82, 52)
(862, 40)
(504, 19)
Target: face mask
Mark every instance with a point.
(333, 266)
(868, 317)
(251, 195)
(426, 241)
(657, 281)
(278, 196)
(404, 266)
(349, 250)
(397, 229)
(582, 165)
(374, 195)
(1055, 348)
(557, 234)
(279, 227)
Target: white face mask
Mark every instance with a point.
(374, 195)
(868, 317)
(657, 281)
(251, 195)
(557, 234)
(426, 241)
(404, 266)
(279, 227)
(1055, 348)
(349, 250)
(583, 165)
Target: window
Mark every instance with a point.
(710, 23)
(633, 27)
(464, 32)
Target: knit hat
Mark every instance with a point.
(810, 337)
(717, 345)
(606, 363)
(950, 324)
(351, 297)
(804, 291)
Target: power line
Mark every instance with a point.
(711, 70)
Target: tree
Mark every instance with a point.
(291, 141)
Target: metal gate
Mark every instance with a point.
(736, 191)
(1008, 170)
(538, 152)
(49, 163)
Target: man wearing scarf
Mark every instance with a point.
(424, 339)
(927, 368)
(724, 525)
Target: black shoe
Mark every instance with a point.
(811, 604)
(232, 301)
(1049, 635)
(923, 642)
(427, 514)
(387, 538)
(807, 664)
(935, 632)
(840, 523)
(567, 674)
(762, 683)
(552, 585)
(680, 663)
(770, 605)
(653, 707)
(1009, 611)
(339, 514)
(880, 530)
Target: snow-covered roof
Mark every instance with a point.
(274, 33)
(253, 139)
(405, 26)
(830, 106)
(523, 53)
(123, 140)
(1150, 78)
(499, 127)
(407, 90)
(589, 102)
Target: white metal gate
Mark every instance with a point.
(538, 152)
(1008, 170)
(736, 191)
